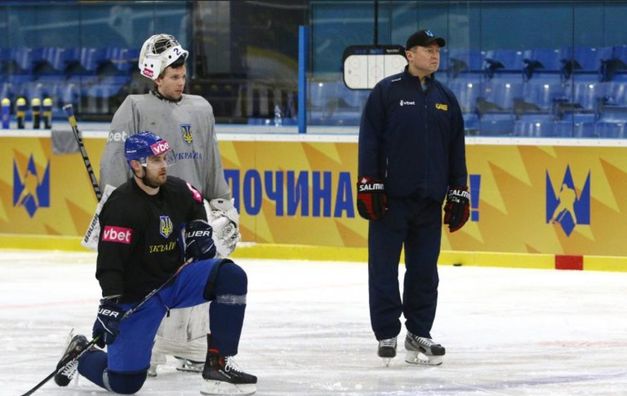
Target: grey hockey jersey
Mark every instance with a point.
(187, 125)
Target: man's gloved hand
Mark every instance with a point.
(457, 207)
(199, 241)
(107, 324)
(371, 198)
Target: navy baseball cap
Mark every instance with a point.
(423, 38)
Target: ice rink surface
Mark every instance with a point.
(307, 330)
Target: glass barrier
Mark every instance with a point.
(518, 68)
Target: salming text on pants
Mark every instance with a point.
(415, 224)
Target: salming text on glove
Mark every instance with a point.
(371, 198)
(457, 207)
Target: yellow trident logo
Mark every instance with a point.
(186, 131)
(165, 226)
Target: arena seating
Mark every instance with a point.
(561, 92)
(556, 92)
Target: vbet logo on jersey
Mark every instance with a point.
(407, 103)
(564, 206)
(30, 188)
(117, 235)
(186, 132)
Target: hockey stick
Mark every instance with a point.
(95, 339)
(69, 110)
(58, 370)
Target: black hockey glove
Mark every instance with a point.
(372, 201)
(457, 208)
(107, 324)
(199, 241)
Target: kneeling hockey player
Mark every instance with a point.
(140, 251)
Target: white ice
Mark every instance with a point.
(307, 330)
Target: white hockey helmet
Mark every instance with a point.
(157, 53)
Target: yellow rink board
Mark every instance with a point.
(296, 197)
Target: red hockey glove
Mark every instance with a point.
(371, 199)
(457, 208)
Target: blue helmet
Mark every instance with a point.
(143, 145)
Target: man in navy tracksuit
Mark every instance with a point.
(411, 156)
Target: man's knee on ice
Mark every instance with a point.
(228, 280)
(124, 383)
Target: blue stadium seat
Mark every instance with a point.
(504, 61)
(92, 58)
(19, 79)
(497, 124)
(616, 93)
(586, 60)
(500, 94)
(579, 125)
(466, 89)
(542, 62)
(540, 125)
(82, 79)
(588, 94)
(620, 52)
(25, 58)
(584, 130)
(615, 68)
(471, 123)
(59, 58)
(465, 61)
(115, 81)
(123, 59)
(615, 130)
(542, 94)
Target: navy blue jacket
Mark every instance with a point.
(412, 140)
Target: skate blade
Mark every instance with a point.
(211, 388)
(419, 358)
(188, 366)
(386, 361)
(187, 369)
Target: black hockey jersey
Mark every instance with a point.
(139, 248)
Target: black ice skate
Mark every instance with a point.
(69, 360)
(422, 350)
(222, 377)
(387, 349)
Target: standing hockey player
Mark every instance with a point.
(187, 122)
(139, 250)
(411, 156)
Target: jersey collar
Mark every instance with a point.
(159, 96)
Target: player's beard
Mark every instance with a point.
(155, 181)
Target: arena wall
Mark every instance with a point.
(535, 203)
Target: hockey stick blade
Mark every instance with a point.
(58, 370)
